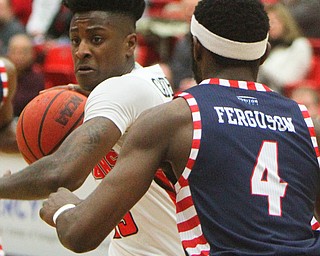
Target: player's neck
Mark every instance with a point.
(233, 73)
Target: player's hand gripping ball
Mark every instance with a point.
(47, 120)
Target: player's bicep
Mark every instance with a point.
(147, 140)
(86, 145)
(126, 183)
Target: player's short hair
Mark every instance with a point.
(131, 8)
(237, 20)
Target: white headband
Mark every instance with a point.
(225, 47)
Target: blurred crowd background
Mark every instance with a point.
(34, 36)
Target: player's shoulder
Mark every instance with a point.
(138, 76)
(144, 80)
(174, 112)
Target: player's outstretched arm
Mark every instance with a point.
(155, 133)
(68, 167)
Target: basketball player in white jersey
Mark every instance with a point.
(103, 39)
(239, 191)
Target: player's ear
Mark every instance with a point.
(266, 54)
(131, 43)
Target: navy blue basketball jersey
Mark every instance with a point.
(252, 178)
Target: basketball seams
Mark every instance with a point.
(25, 141)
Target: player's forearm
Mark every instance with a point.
(33, 182)
(74, 225)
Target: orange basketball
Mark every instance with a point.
(47, 120)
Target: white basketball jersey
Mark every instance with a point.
(150, 227)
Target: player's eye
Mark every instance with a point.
(97, 40)
(75, 41)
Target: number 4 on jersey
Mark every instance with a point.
(265, 180)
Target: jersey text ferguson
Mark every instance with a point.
(249, 118)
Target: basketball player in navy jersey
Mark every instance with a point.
(103, 40)
(8, 80)
(246, 158)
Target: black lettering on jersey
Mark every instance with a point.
(163, 85)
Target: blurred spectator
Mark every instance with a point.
(291, 53)
(9, 25)
(30, 77)
(269, 2)
(8, 141)
(58, 66)
(308, 96)
(307, 15)
(307, 93)
(181, 61)
(59, 28)
(22, 10)
(43, 17)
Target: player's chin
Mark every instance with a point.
(87, 83)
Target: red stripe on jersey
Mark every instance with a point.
(251, 86)
(184, 204)
(194, 108)
(182, 182)
(315, 225)
(312, 131)
(191, 244)
(192, 223)
(188, 222)
(197, 125)
(195, 144)
(309, 123)
(162, 180)
(234, 83)
(190, 164)
(305, 114)
(247, 85)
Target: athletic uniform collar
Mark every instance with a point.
(246, 85)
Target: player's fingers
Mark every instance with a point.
(78, 89)
(45, 214)
(54, 88)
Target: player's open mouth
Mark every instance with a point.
(84, 69)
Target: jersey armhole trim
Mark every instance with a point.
(311, 129)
